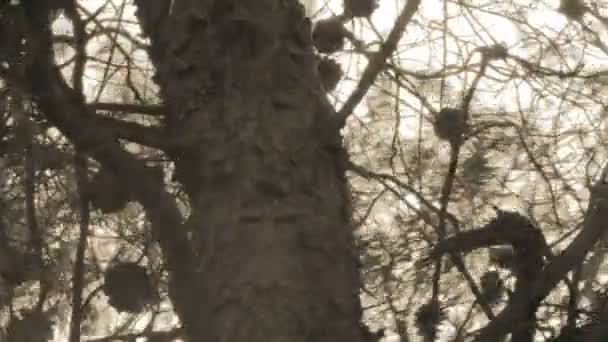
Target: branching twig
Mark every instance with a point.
(378, 61)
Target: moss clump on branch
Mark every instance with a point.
(428, 318)
(572, 9)
(328, 35)
(106, 194)
(451, 125)
(360, 8)
(491, 286)
(128, 287)
(330, 73)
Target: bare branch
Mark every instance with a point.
(378, 61)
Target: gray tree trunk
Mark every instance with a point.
(270, 205)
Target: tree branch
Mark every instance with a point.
(149, 136)
(155, 110)
(378, 61)
(556, 269)
(78, 281)
(66, 109)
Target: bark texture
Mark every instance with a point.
(270, 206)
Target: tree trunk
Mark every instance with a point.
(254, 148)
(267, 252)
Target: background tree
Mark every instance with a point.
(231, 170)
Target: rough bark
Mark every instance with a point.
(270, 217)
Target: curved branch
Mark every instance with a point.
(555, 270)
(530, 247)
(66, 109)
(507, 228)
(455, 257)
